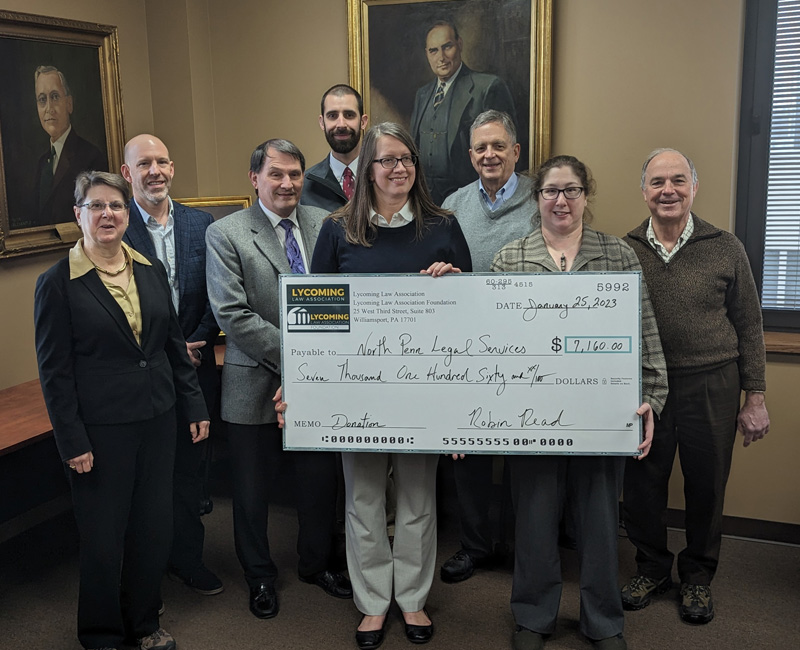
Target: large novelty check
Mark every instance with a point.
(477, 363)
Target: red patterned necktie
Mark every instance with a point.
(348, 183)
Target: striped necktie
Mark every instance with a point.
(438, 98)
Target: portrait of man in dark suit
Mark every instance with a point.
(68, 153)
(477, 53)
(445, 108)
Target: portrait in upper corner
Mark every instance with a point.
(434, 66)
(60, 114)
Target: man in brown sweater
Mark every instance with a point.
(709, 317)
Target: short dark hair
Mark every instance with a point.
(340, 90)
(86, 180)
(258, 156)
(442, 22)
(492, 116)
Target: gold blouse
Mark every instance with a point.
(128, 300)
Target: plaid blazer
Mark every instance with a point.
(598, 252)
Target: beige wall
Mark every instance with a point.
(629, 76)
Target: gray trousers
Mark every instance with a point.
(377, 567)
(540, 488)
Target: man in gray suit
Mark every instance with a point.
(445, 108)
(246, 252)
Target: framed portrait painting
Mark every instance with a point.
(493, 54)
(60, 114)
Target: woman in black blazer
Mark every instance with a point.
(114, 367)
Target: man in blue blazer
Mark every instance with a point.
(445, 108)
(175, 234)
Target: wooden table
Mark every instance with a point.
(23, 416)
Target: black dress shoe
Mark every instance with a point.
(264, 601)
(462, 565)
(419, 633)
(333, 584)
(371, 639)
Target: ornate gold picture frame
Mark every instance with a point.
(510, 39)
(218, 206)
(81, 107)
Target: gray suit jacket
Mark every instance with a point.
(243, 260)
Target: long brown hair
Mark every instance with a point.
(355, 216)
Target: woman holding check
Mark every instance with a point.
(589, 486)
(391, 225)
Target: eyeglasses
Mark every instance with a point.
(98, 206)
(391, 163)
(55, 97)
(550, 193)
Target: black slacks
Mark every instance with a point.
(189, 480)
(699, 420)
(123, 508)
(475, 487)
(256, 454)
(542, 486)
(189, 533)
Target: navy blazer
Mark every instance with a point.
(194, 309)
(93, 372)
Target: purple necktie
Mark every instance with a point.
(292, 248)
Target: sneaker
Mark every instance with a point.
(611, 643)
(201, 580)
(696, 608)
(158, 640)
(640, 589)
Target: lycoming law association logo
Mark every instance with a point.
(318, 307)
(298, 316)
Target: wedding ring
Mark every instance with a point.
(72, 466)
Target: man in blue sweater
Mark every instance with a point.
(492, 211)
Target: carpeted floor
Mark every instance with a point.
(756, 594)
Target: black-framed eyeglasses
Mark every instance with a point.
(550, 193)
(98, 206)
(391, 163)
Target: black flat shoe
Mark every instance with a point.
(419, 633)
(371, 639)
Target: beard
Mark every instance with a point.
(342, 146)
